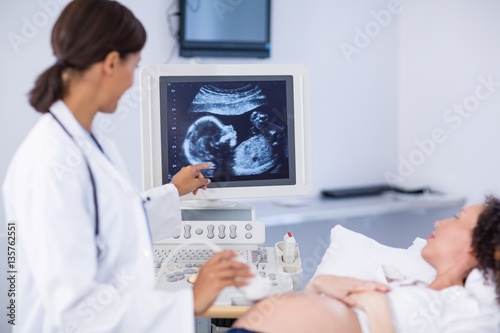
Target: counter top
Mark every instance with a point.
(282, 210)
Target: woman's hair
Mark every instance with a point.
(84, 34)
(486, 242)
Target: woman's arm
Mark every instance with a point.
(377, 308)
(366, 295)
(163, 204)
(324, 307)
(340, 287)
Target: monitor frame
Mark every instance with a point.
(189, 48)
(151, 127)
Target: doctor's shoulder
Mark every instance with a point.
(47, 152)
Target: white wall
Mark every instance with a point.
(445, 47)
(353, 104)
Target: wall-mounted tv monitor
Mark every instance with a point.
(225, 28)
(251, 122)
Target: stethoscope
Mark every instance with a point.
(102, 248)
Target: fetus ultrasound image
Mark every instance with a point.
(240, 127)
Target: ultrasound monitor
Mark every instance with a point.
(250, 122)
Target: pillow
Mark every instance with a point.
(481, 289)
(356, 255)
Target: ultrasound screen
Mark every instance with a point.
(243, 126)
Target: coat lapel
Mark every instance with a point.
(89, 148)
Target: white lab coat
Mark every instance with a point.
(62, 285)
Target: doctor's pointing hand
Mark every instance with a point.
(190, 178)
(85, 250)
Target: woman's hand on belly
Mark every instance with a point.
(340, 288)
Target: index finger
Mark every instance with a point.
(200, 166)
(371, 286)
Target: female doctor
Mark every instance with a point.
(84, 247)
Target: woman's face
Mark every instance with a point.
(121, 80)
(450, 243)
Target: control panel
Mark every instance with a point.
(179, 262)
(182, 270)
(221, 232)
(232, 228)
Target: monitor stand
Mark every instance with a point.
(216, 210)
(208, 203)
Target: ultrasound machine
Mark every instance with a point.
(252, 123)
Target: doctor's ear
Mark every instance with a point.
(110, 62)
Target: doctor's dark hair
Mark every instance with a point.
(84, 34)
(486, 242)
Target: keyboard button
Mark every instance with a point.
(210, 229)
(187, 231)
(232, 231)
(222, 231)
